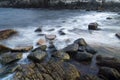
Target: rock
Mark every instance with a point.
(4, 49)
(109, 18)
(22, 49)
(81, 42)
(108, 62)
(109, 73)
(83, 56)
(9, 57)
(4, 34)
(62, 55)
(50, 37)
(90, 77)
(90, 50)
(50, 29)
(41, 42)
(93, 26)
(52, 70)
(52, 48)
(61, 32)
(118, 35)
(43, 47)
(71, 49)
(38, 29)
(37, 55)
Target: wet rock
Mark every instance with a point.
(9, 57)
(50, 37)
(90, 77)
(118, 35)
(90, 50)
(50, 29)
(81, 42)
(108, 62)
(93, 26)
(22, 49)
(62, 55)
(4, 49)
(109, 18)
(41, 42)
(109, 73)
(83, 56)
(51, 70)
(71, 49)
(52, 48)
(37, 55)
(43, 47)
(4, 34)
(61, 32)
(38, 29)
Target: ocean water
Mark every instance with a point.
(73, 22)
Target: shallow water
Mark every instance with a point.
(73, 22)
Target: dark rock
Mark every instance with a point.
(22, 49)
(51, 70)
(4, 49)
(118, 35)
(9, 57)
(62, 55)
(51, 30)
(81, 49)
(71, 49)
(4, 34)
(90, 77)
(37, 55)
(38, 29)
(52, 48)
(90, 50)
(61, 32)
(109, 73)
(81, 42)
(109, 18)
(93, 26)
(83, 56)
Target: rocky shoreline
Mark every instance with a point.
(48, 63)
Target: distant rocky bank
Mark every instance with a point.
(60, 5)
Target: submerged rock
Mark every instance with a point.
(9, 57)
(51, 70)
(109, 73)
(38, 29)
(4, 34)
(93, 26)
(37, 55)
(109, 18)
(118, 35)
(22, 49)
(61, 32)
(4, 49)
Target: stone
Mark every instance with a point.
(81, 42)
(109, 18)
(117, 35)
(41, 42)
(37, 55)
(62, 55)
(4, 34)
(38, 29)
(50, 37)
(22, 49)
(90, 50)
(4, 49)
(93, 26)
(61, 32)
(109, 73)
(50, 29)
(83, 56)
(9, 57)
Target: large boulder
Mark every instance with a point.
(109, 73)
(51, 70)
(118, 35)
(4, 34)
(83, 56)
(4, 49)
(9, 57)
(93, 26)
(37, 55)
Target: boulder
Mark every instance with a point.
(4, 49)
(38, 29)
(50, 37)
(71, 49)
(118, 35)
(4, 34)
(51, 70)
(62, 55)
(93, 26)
(90, 77)
(81, 42)
(37, 55)
(109, 73)
(9, 57)
(83, 56)
(22, 49)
